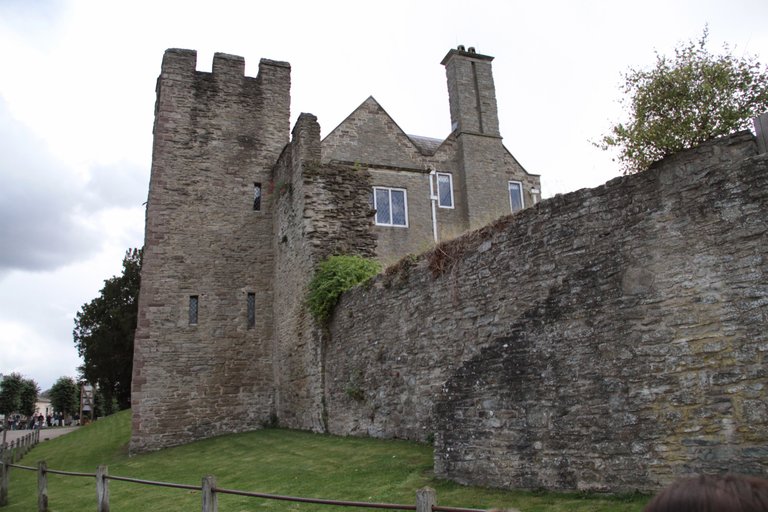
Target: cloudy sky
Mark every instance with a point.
(77, 95)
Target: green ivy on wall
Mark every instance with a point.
(333, 277)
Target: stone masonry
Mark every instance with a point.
(215, 136)
(233, 209)
(610, 339)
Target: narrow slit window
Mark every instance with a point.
(251, 310)
(193, 308)
(257, 197)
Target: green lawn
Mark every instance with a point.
(272, 461)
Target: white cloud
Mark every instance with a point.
(39, 201)
(41, 358)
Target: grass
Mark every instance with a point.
(273, 461)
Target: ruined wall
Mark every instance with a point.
(613, 338)
(215, 135)
(322, 210)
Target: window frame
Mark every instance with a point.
(450, 187)
(509, 195)
(389, 195)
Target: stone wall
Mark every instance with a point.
(609, 339)
(216, 135)
(322, 210)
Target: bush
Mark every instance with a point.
(684, 101)
(334, 276)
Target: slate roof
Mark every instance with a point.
(427, 146)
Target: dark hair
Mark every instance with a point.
(710, 493)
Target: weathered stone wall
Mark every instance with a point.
(322, 210)
(216, 134)
(613, 338)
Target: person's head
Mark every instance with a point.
(709, 493)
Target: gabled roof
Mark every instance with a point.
(427, 146)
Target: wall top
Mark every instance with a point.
(465, 52)
(179, 60)
(277, 63)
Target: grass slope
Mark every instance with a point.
(272, 461)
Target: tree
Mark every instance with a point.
(684, 101)
(65, 395)
(104, 330)
(28, 397)
(10, 394)
(18, 395)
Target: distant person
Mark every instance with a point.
(712, 493)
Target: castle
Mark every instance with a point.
(609, 339)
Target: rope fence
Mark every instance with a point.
(426, 498)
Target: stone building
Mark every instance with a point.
(238, 217)
(428, 189)
(609, 339)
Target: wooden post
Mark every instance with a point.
(426, 498)
(210, 500)
(102, 490)
(4, 480)
(42, 487)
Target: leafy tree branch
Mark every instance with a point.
(685, 100)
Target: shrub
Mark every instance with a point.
(333, 277)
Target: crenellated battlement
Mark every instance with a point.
(179, 63)
(225, 64)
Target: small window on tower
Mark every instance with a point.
(193, 307)
(257, 197)
(251, 310)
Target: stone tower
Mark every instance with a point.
(482, 158)
(202, 357)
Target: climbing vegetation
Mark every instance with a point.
(333, 277)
